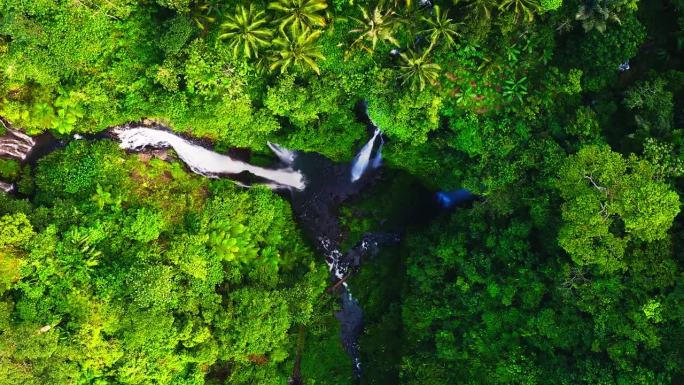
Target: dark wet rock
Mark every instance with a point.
(369, 246)
(328, 186)
(44, 145)
(316, 209)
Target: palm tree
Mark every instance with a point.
(378, 25)
(417, 70)
(246, 31)
(441, 27)
(300, 14)
(204, 12)
(595, 15)
(525, 8)
(296, 49)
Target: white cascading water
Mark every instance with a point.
(16, 144)
(203, 161)
(362, 159)
(285, 155)
(6, 187)
(377, 160)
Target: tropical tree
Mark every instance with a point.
(441, 28)
(300, 14)
(609, 201)
(296, 48)
(246, 31)
(595, 15)
(417, 70)
(376, 25)
(524, 8)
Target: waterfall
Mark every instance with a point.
(286, 156)
(203, 161)
(377, 160)
(6, 187)
(362, 159)
(16, 145)
(317, 186)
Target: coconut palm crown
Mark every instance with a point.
(417, 70)
(374, 26)
(300, 14)
(296, 49)
(246, 31)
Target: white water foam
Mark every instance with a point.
(362, 159)
(201, 160)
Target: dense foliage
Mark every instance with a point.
(565, 116)
(129, 270)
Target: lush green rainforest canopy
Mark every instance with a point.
(565, 116)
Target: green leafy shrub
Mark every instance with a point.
(9, 169)
(76, 171)
(408, 116)
(144, 225)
